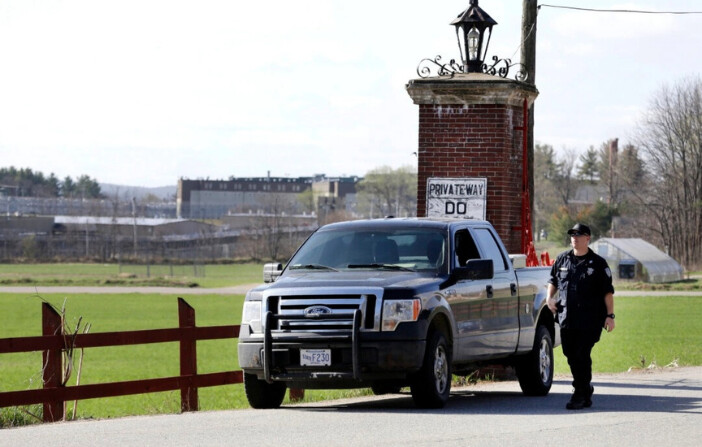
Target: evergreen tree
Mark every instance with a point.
(589, 166)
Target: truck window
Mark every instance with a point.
(465, 248)
(490, 249)
(418, 249)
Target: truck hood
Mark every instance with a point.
(361, 278)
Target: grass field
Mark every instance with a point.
(650, 330)
(202, 275)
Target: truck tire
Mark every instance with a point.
(431, 385)
(262, 394)
(535, 370)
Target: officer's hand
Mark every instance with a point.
(552, 305)
(609, 324)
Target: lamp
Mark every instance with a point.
(471, 27)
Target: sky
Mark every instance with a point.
(144, 92)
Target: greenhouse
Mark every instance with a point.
(637, 260)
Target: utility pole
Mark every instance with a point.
(134, 226)
(528, 59)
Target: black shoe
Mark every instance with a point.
(588, 397)
(576, 402)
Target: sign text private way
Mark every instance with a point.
(463, 198)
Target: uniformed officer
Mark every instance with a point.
(584, 305)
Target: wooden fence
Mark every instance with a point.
(54, 340)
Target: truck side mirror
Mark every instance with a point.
(480, 269)
(473, 270)
(272, 271)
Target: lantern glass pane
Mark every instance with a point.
(473, 40)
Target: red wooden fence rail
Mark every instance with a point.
(54, 341)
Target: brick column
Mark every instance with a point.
(467, 128)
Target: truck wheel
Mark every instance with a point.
(262, 394)
(535, 370)
(431, 385)
(385, 387)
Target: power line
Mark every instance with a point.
(627, 11)
(531, 30)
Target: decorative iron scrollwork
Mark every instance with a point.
(500, 67)
(427, 66)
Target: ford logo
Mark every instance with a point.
(316, 311)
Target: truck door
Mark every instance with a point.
(501, 309)
(469, 300)
(485, 310)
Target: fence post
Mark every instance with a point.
(296, 394)
(188, 356)
(52, 360)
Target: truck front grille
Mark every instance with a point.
(323, 313)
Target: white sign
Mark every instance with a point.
(462, 198)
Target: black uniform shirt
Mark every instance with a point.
(582, 284)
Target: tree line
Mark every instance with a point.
(650, 187)
(25, 182)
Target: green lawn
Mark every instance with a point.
(652, 330)
(119, 313)
(203, 275)
(658, 330)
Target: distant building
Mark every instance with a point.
(638, 260)
(212, 199)
(128, 227)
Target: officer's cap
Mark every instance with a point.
(579, 229)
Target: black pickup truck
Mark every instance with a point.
(389, 303)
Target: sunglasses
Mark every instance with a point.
(578, 233)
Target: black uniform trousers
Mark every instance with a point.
(577, 347)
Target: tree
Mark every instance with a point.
(88, 188)
(68, 187)
(53, 185)
(598, 217)
(306, 200)
(670, 140)
(27, 183)
(563, 180)
(561, 222)
(589, 166)
(385, 191)
(545, 195)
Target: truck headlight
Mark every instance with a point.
(251, 315)
(397, 311)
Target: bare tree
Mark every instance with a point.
(670, 139)
(564, 179)
(545, 194)
(272, 234)
(388, 191)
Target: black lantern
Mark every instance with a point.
(471, 27)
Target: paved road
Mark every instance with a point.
(643, 408)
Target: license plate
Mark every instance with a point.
(315, 357)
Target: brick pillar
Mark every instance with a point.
(469, 127)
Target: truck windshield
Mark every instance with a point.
(417, 249)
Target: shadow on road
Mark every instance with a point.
(609, 397)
